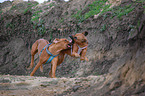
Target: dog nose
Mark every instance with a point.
(69, 45)
(71, 36)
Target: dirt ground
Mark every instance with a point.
(43, 86)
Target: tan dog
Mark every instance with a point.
(55, 48)
(78, 49)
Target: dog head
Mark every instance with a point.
(80, 38)
(63, 43)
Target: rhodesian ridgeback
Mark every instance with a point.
(48, 53)
(78, 49)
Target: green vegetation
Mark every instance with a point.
(121, 11)
(38, 23)
(36, 19)
(1, 18)
(144, 8)
(1, 11)
(98, 6)
(29, 3)
(26, 10)
(51, 4)
(10, 25)
(138, 24)
(41, 29)
(77, 15)
(61, 20)
(30, 7)
(36, 16)
(23, 7)
(13, 7)
(37, 12)
(140, 1)
(103, 28)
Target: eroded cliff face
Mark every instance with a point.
(116, 43)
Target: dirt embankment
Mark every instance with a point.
(116, 45)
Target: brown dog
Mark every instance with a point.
(55, 48)
(78, 49)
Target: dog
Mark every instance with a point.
(78, 49)
(48, 53)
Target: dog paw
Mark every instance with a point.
(86, 59)
(50, 74)
(53, 76)
(41, 70)
(77, 55)
(29, 68)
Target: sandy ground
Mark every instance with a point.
(42, 86)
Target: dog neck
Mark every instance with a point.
(55, 48)
(79, 48)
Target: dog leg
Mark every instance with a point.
(36, 67)
(74, 51)
(84, 58)
(32, 63)
(75, 54)
(60, 58)
(54, 65)
(53, 70)
(83, 53)
(50, 73)
(41, 68)
(34, 50)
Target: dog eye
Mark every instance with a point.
(84, 40)
(75, 37)
(65, 40)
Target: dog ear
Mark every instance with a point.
(56, 40)
(85, 33)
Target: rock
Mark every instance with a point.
(4, 80)
(75, 88)
(141, 89)
(132, 34)
(115, 84)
